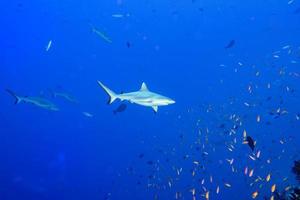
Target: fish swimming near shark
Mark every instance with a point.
(230, 44)
(87, 114)
(143, 97)
(120, 108)
(37, 101)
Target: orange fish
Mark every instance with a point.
(254, 195)
(251, 173)
(273, 188)
(207, 195)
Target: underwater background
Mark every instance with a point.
(233, 68)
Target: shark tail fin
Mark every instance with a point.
(112, 96)
(18, 99)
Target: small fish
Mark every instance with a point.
(252, 157)
(117, 15)
(230, 161)
(287, 188)
(202, 182)
(246, 171)
(193, 191)
(49, 45)
(170, 184)
(196, 162)
(244, 134)
(288, 46)
(120, 109)
(193, 173)
(258, 154)
(258, 118)
(87, 114)
(207, 195)
(273, 188)
(254, 195)
(251, 173)
(250, 142)
(230, 44)
(268, 177)
(218, 190)
(227, 185)
(230, 149)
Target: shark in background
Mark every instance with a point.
(100, 34)
(143, 97)
(37, 101)
(63, 95)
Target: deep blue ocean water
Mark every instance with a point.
(178, 48)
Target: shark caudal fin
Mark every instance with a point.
(18, 99)
(112, 96)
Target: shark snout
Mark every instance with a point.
(164, 102)
(172, 101)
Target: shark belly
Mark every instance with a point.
(140, 98)
(41, 103)
(143, 102)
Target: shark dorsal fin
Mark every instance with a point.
(144, 87)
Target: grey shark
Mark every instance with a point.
(143, 97)
(37, 101)
(65, 96)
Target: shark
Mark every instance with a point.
(100, 34)
(63, 95)
(143, 97)
(37, 101)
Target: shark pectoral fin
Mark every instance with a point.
(155, 108)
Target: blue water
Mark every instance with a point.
(178, 49)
